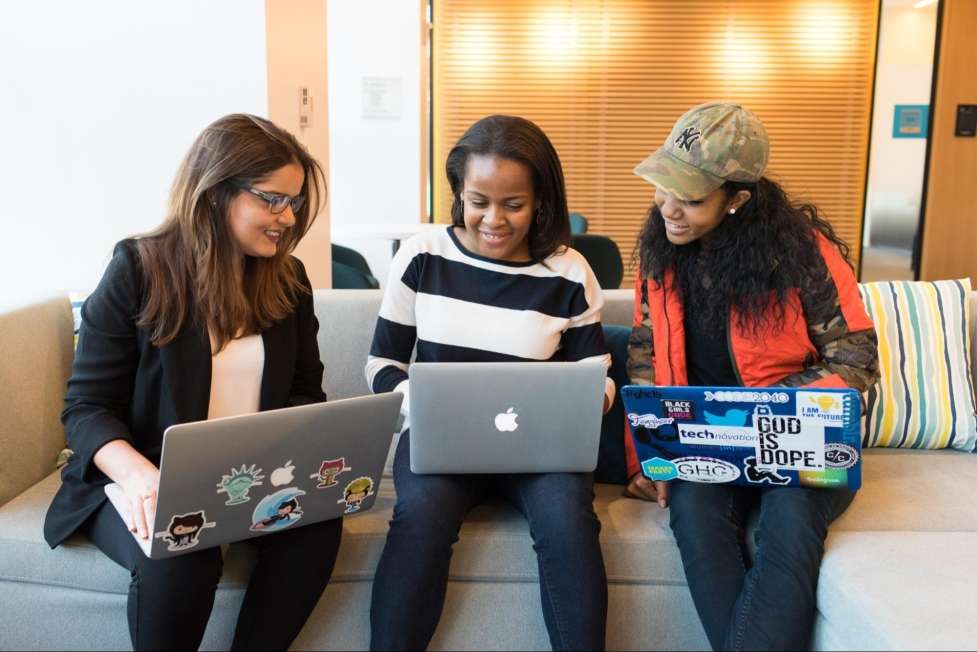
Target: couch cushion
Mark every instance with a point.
(925, 397)
(914, 491)
(898, 590)
(909, 491)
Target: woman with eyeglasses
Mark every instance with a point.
(207, 316)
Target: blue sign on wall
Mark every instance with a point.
(911, 121)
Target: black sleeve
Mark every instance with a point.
(307, 382)
(100, 389)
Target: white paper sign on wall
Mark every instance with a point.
(381, 98)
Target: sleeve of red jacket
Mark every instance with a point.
(839, 328)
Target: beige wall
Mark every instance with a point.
(296, 43)
(950, 229)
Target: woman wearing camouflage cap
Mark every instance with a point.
(741, 286)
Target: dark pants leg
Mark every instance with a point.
(708, 522)
(572, 581)
(768, 604)
(776, 609)
(169, 599)
(293, 568)
(412, 575)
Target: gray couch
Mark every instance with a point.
(900, 570)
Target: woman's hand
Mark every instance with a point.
(141, 487)
(643, 488)
(138, 479)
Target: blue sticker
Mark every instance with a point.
(659, 469)
(277, 511)
(733, 417)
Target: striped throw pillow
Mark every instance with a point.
(925, 397)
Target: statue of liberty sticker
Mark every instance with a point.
(238, 483)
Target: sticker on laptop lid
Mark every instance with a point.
(650, 421)
(277, 511)
(840, 456)
(659, 469)
(239, 482)
(705, 469)
(355, 493)
(328, 470)
(759, 475)
(787, 442)
(822, 407)
(678, 409)
(184, 530)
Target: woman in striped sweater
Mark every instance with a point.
(499, 284)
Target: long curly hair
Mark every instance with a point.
(748, 262)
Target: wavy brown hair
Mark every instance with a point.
(190, 262)
(520, 140)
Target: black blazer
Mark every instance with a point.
(123, 387)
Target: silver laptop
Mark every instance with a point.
(505, 417)
(238, 477)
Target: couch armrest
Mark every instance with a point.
(36, 350)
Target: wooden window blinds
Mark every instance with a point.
(606, 79)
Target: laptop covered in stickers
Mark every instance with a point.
(235, 478)
(778, 436)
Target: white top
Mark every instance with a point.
(235, 377)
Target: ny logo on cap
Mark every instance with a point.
(687, 138)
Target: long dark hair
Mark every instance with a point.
(749, 262)
(189, 260)
(520, 140)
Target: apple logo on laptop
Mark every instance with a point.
(506, 421)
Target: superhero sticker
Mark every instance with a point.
(184, 530)
(328, 471)
(355, 493)
(277, 511)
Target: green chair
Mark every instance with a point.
(603, 256)
(578, 223)
(350, 271)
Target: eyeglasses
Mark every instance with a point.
(276, 202)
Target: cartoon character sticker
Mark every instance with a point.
(184, 530)
(328, 472)
(277, 511)
(238, 482)
(355, 493)
(757, 475)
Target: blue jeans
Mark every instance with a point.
(412, 576)
(769, 603)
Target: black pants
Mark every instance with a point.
(170, 599)
(412, 576)
(769, 602)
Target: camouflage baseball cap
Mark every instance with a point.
(712, 143)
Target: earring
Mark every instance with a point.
(732, 211)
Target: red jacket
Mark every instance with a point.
(825, 339)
